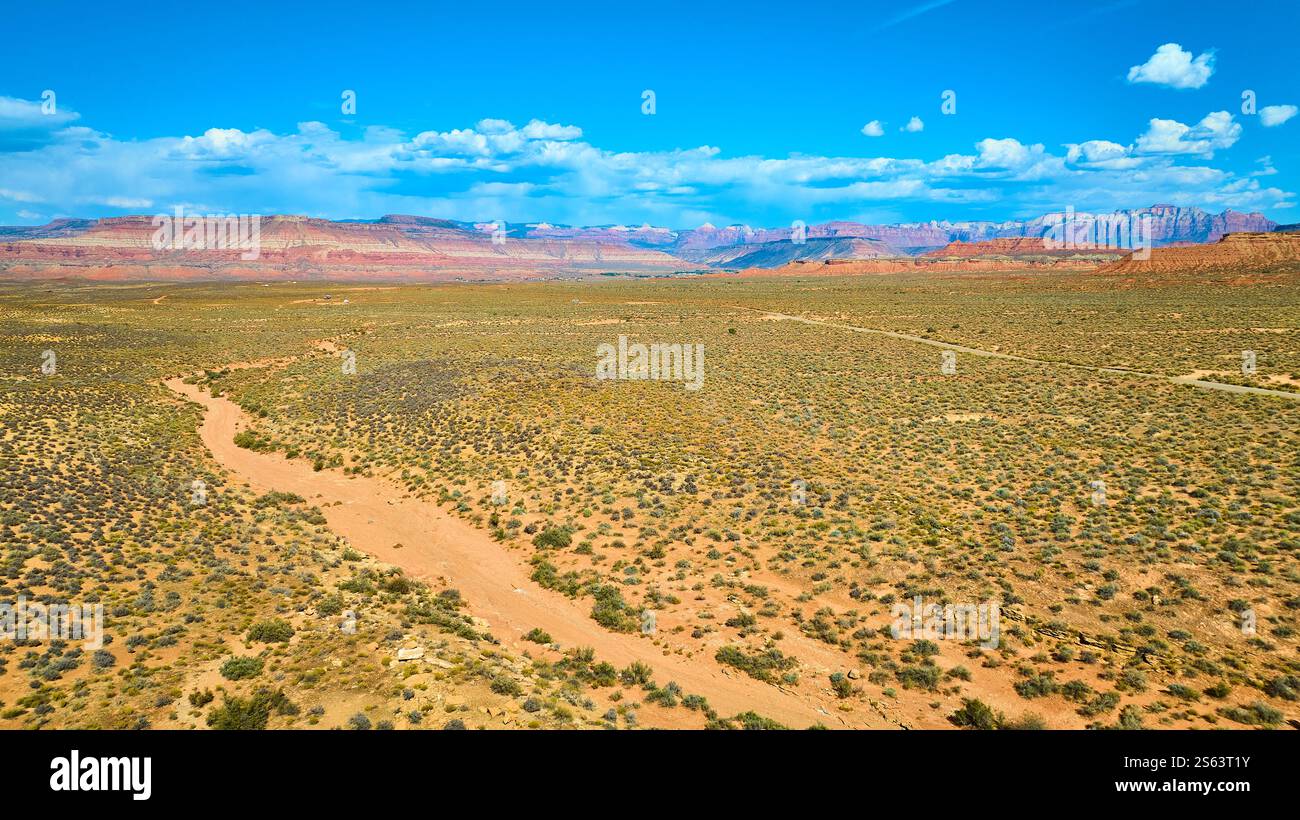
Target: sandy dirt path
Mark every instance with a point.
(374, 516)
(992, 354)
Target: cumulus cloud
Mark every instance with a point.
(1174, 67)
(494, 169)
(1215, 131)
(538, 130)
(875, 128)
(1271, 115)
(914, 124)
(24, 115)
(1102, 154)
(222, 143)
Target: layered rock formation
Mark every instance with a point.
(392, 248)
(1235, 253)
(1167, 224)
(1024, 249)
(422, 248)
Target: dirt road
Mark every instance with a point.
(993, 354)
(374, 515)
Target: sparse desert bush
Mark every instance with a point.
(272, 631)
(975, 714)
(241, 668)
(252, 712)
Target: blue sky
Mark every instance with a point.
(764, 113)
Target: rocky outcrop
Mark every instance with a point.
(1167, 224)
(398, 247)
(1236, 253)
(1024, 249)
(775, 254)
(290, 247)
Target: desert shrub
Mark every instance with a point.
(745, 720)
(603, 674)
(252, 712)
(638, 674)
(537, 635)
(1038, 685)
(241, 668)
(252, 441)
(1132, 680)
(841, 685)
(1178, 690)
(504, 685)
(666, 697)
(553, 538)
(1130, 717)
(1026, 722)
(1105, 702)
(272, 631)
(976, 714)
(359, 722)
(1219, 691)
(1257, 714)
(1286, 687)
(919, 676)
(759, 665)
(611, 611)
(397, 584)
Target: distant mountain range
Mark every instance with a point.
(422, 248)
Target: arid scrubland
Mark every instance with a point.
(1140, 537)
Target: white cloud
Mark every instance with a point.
(875, 128)
(1271, 115)
(18, 196)
(125, 202)
(1215, 131)
(222, 143)
(914, 124)
(538, 130)
(1172, 66)
(545, 171)
(1102, 154)
(24, 115)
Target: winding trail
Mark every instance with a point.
(993, 354)
(375, 515)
